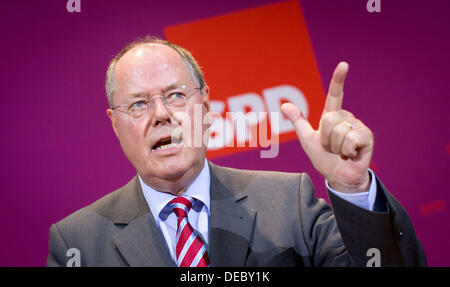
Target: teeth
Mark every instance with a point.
(167, 146)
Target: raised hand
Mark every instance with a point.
(342, 147)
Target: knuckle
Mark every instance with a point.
(346, 114)
(330, 120)
(352, 135)
(324, 140)
(349, 149)
(335, 147)
(346, 151)
(327, 118)
(340, 131)
(342, 128)
(352, 139)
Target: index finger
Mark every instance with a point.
(335, 94)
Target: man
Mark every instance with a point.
(181, 210)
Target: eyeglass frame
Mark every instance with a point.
(151, 98)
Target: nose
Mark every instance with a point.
(161, 114)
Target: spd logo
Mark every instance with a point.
(254, 61)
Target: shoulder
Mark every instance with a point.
(119, 205)
(256, 180)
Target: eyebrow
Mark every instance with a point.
(163, 90)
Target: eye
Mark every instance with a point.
(176, 96)
(138, 105)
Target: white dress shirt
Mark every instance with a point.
(365, 199)
(199, 214)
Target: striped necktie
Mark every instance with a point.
(190, 249)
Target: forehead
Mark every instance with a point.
(149, 65)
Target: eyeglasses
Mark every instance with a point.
(140, 104)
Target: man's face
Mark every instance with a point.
(150, 69)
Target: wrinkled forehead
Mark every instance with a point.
(149, 65)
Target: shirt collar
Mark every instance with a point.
(199, 189)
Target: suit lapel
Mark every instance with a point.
(231, 224)
(140, 242)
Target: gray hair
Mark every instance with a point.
(192, 66)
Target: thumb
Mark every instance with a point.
(301, 125)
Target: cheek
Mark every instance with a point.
(131, 136)
(194, 124)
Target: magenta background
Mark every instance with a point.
(59, 153)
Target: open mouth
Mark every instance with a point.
(166, 143)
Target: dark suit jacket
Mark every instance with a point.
(257, 219)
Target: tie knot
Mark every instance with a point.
(181, 205)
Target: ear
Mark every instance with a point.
(206, 97)
(112, 117)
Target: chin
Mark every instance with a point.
(172, 168)
(172, 171)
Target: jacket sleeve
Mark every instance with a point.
(320, 231)
(387, 229)
(57, 248)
